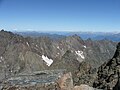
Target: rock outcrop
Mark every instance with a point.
(85, 74)
(66, 82)
(108, 73)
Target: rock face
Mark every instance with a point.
(85, 75)
(108, 73)
(66, 82)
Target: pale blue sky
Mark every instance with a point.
(60, 15)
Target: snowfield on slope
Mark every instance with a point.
(80, 53)
(84, 46)
(47, 60)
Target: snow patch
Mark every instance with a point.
(58, 47)
(36, 45)
(80, 53)
(1, 59)
(47, 60)
(27, 43)
(84, 46)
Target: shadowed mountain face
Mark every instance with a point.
(26, 54)
(108, 73)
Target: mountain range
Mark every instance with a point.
(114, 36)
(23, 55)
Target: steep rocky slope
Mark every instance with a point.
(108, 73)
(20, 54)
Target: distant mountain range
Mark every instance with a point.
(84, 35)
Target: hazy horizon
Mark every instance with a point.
(60, 15)
(84, 31)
